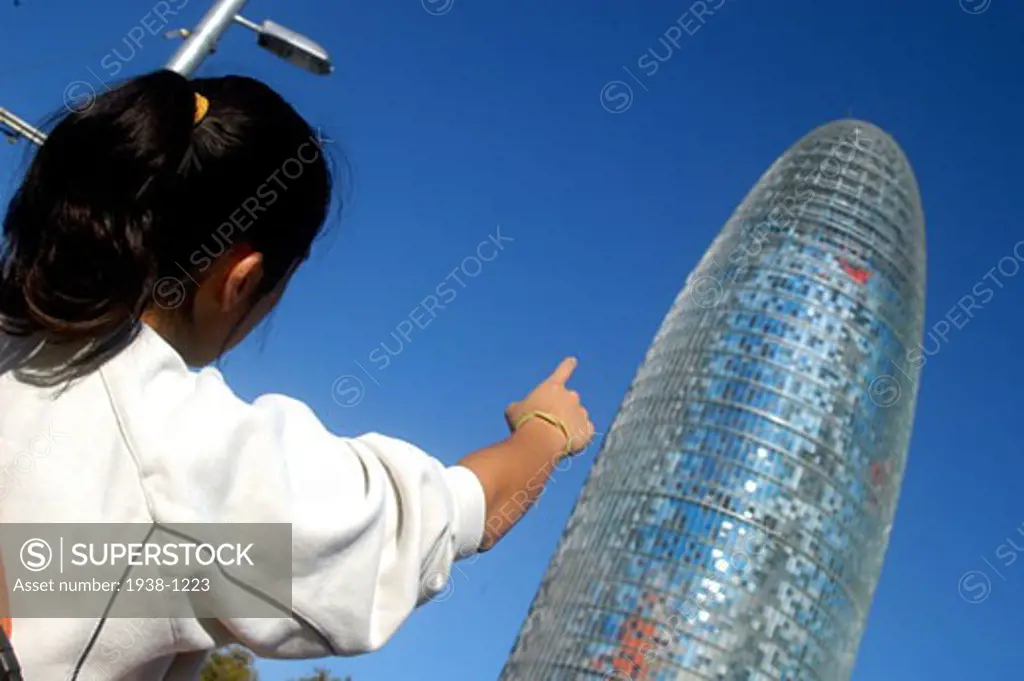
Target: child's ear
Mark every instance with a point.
(242, 280)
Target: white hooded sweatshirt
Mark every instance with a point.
(376, 522)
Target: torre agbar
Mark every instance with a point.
(734, 523)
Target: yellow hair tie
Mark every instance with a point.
(553, 420)
(202, 106)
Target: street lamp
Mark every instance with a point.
(293, 47)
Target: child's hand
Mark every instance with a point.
(552, 397)
(513, 472)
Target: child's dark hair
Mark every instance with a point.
(129, 199)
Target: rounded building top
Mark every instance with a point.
(889, 146)
(858, 169)
(891, 157)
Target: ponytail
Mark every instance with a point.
(79, 252)
(124, 190)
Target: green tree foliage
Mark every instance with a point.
(235, 663)
(321, 674)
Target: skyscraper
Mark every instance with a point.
(734, 523)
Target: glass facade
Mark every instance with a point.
(734, 523)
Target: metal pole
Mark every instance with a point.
(21, 128)
(203, 39)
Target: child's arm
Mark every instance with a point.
(376, 523)
(513, 473)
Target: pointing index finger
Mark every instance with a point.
(564, 371)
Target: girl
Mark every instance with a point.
(151, 233)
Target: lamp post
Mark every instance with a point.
(293, 47)
(13, 127)
(280, 41)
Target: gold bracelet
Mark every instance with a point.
(553, 420)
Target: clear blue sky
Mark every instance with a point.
(490, 114)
